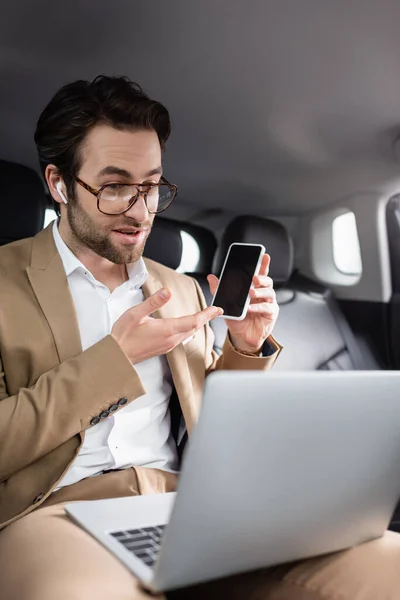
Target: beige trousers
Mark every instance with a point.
(44, 556)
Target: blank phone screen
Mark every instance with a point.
(236, 279)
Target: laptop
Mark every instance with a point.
(280, 467)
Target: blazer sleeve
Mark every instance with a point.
(62, 403)
(230, 358)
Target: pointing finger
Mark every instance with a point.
(194, 322)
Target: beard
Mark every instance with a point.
(87, 233)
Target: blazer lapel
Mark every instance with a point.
(177, 359)
(49, 282)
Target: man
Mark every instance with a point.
(95, 392)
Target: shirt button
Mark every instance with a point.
(104, 414)
(38, 498)
(122, 401)
(95, 420)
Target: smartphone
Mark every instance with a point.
(242, 262)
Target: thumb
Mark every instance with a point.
(213, 283)
(151, 304)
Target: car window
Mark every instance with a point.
(190, 254)
(346, 244)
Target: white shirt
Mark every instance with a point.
(140, 433)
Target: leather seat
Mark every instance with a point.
(22, 202)
(311, 326)
(165, 244)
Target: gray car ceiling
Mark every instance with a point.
(278, 106)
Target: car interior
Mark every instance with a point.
(286, 124)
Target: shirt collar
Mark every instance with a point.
(137, 271)
(70, 261)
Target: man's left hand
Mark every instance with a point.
(249, 335)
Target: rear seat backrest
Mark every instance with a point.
(207, 243)
(254, 230)
(165, 244)
(311, 325)
(22, 202)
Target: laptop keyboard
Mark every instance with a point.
(143, 543)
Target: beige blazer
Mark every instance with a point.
(50, 390)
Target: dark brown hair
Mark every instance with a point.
(79, 106)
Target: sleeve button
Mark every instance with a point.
(113, 408)
(122, 401)
(95, 420)
(104, 414)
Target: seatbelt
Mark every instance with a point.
(347, 334)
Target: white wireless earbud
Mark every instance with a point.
(59, 190)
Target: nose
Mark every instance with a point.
(138, 211)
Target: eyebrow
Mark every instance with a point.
(111, 170)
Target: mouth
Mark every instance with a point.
(130, 235)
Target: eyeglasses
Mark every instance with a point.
(117, 198)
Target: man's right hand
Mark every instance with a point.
(141, 337)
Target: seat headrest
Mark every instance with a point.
(207, 243)
(22, 202)
(256, 230)
(164, 244)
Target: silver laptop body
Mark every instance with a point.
(281, 466)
